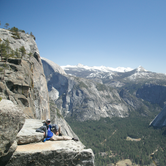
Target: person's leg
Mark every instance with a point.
(60, 134)
(58, 138)
(56, 129)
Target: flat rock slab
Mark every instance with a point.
(28, 133)
(50, 145)
(59, 153)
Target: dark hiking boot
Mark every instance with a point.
(44, 140)
(75, 139)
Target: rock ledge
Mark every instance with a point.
(59, 153)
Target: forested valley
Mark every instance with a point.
(123, 138)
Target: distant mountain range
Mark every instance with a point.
(114, 77)
(96, 68)
(84, 93)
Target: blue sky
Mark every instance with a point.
(114, 33)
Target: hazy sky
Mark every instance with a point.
(114, 33)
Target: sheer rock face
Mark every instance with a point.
(81, 98)
(160, 120)
(130, 99)
(11, 121)
(155, 94)
(23, 80)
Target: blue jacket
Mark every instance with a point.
(44, 128)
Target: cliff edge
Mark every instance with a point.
(24, 94)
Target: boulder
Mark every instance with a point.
(28, 133)
(11, 121)
(59, 153)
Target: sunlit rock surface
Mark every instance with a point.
(11, 122)
(22, 79)
(59, 153)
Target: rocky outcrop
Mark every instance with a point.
(83, 99)
(59, 153)
(28, 150)
(49, 152)
(23, 80)
(24, 85)
(160, 120)
(11, 121)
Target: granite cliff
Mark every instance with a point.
(22, 79)
(24, 94)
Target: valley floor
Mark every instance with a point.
(107, 138)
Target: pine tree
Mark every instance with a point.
(32, 35)
(17, 53)
(23, 51)
(8, 49)
(14, 29)
(7, 46)
(12, 53)
(3, 50)
(6, 25)
(0, 47)
(30, 55)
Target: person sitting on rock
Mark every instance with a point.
(47, 129)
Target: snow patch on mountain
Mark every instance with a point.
(140, 72)
(139, 75)
(101, 75)
(140, 69)
(95, 68)
(109, 73)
